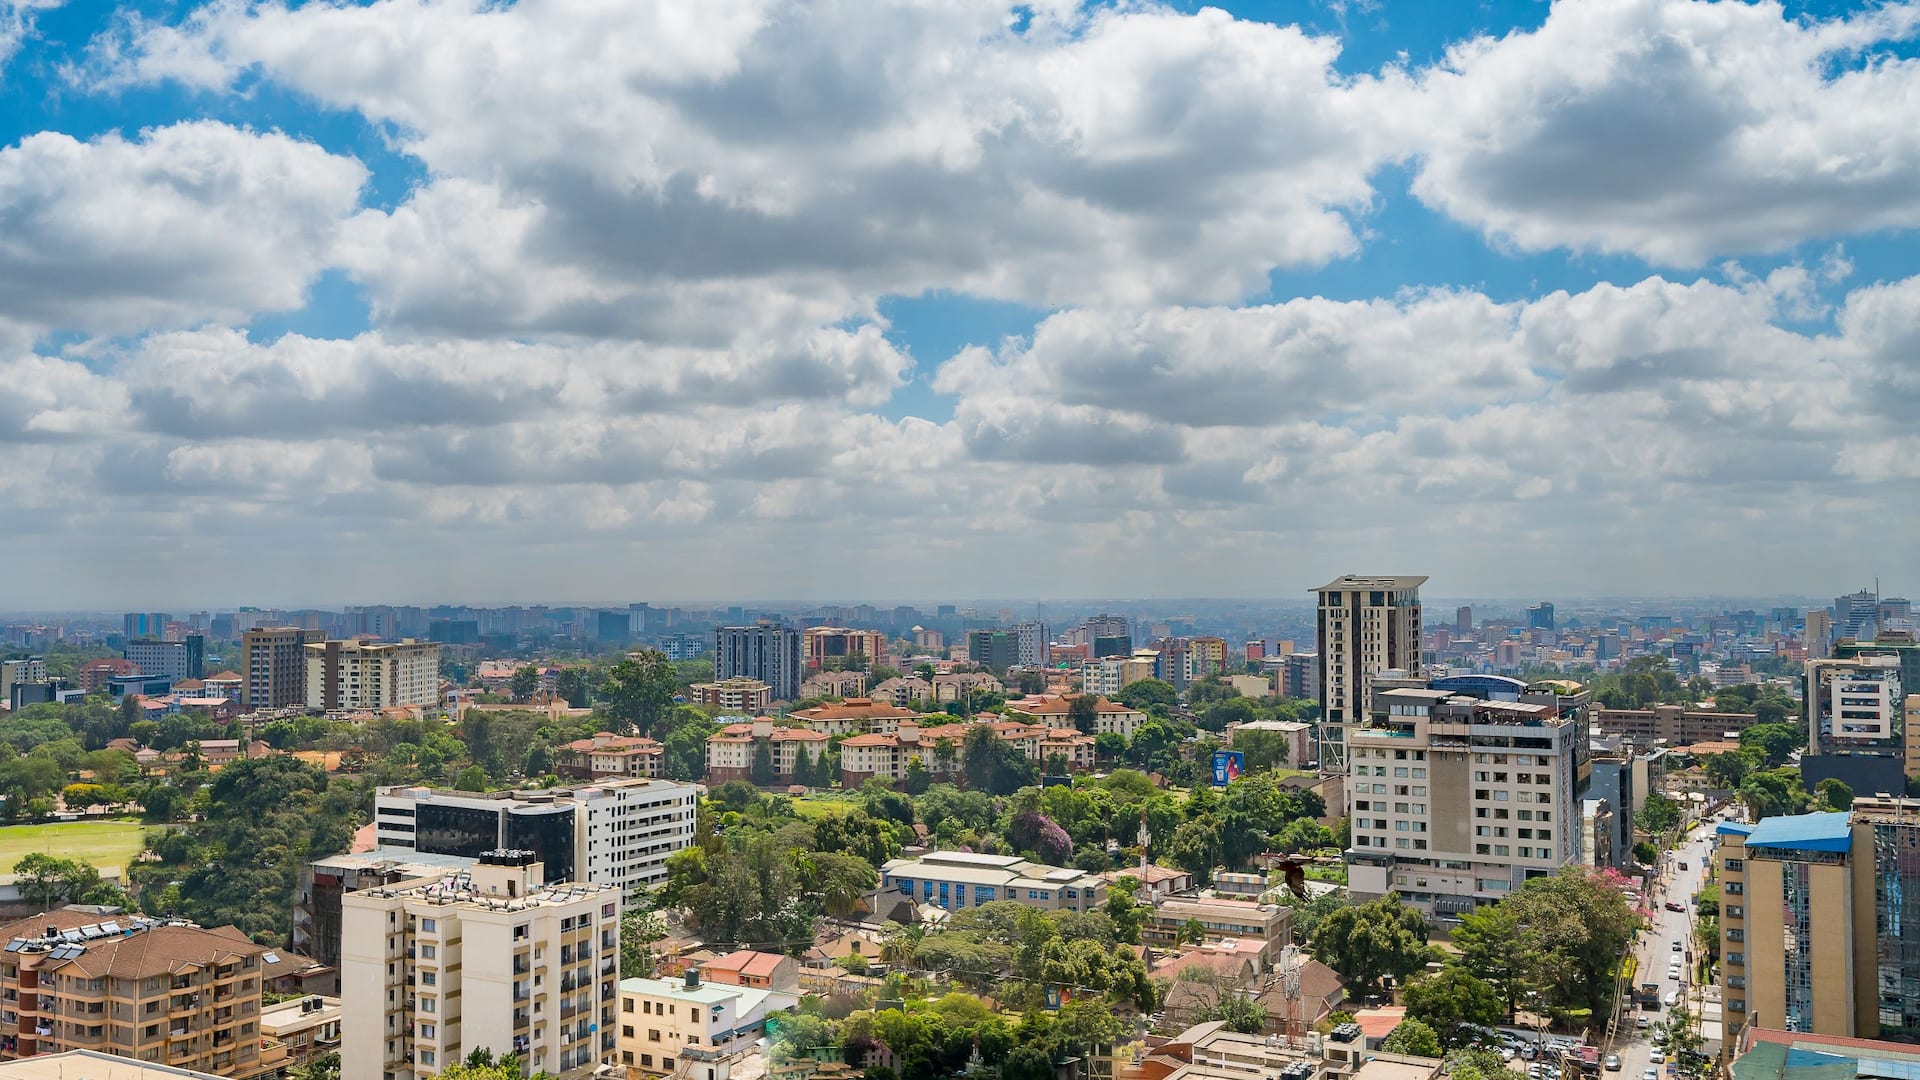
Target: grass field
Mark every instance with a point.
(102, 843)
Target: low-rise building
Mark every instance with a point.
(759, 970)
(955, 880)
(732, 749)
(610, 755)
(1052, 710)
(1156, 882)
(855, 716)
(307, 1029)
(840, 684)
(736, 695)
(1222, 920)
(1297, 736)
(665, 1022)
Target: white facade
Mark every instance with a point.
(1031, 638)
(353, 675)
(683, 1027)
(435, 968)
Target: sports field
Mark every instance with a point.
(102, 843)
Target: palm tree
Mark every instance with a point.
(901, 944)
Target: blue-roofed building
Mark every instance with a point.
(1820, 922)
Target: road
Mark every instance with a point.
(1654, 948)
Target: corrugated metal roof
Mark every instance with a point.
(1805, 832)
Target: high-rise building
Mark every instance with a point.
(1856, 724)
(1820, 922)
(184, 659)
(32, 669)
(1456, 801)
(821, 644)
(363, 675)
(1367, 625)
(610, 832)
(770, 653)
(1540, 616)
(144, 625)
(612, 627)
(1818, 635)
(134, 987)
(1896, 614)
(1031, 643)
(276, 666)
(995, 650)
(1856, 614)
(1463, 620)
(435, 968)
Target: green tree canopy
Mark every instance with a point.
(1451, 997)
(1372, 942)
(1412, 1037)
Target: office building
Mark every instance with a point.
(133, 987)
(1676, 724)
(612, 832)
(1818, 634)
(143, 625)
(1030, 644)
(1270, 926)
(276, 666)
(1367, 625)
(366, 675)
(772, 654)
(1540, 616)
(184, 659)
(687, 1026)
(454, 631)
(495, 959)
(1463, 621)
(733, 697)
(1611, 781)
(1856, 724)
(1456, 801)
(995, 650)
(838, 645)
(955, 880)
(33, 669)
(1856, 615)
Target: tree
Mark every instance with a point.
(50, 881)
(1372, 942)
(1774, 792)
(1451, 997)
(471, 778)
(1263, 749)
(325, 1067)
(1476, 1063)
(1084, 713)
(761, 772)
(1240, 1014)
(1195, 848)
(1834, 793)
(1729, 769)
(1109, 745)
(1147, 692)
(994, 766)
(1413, 1038)
(639, 929)
(1124, 909)
(1569, 931)
(639, 690)
(1774, 741)
(1193, 931)
(572, 683)
(1657, 815)
(526, 680)
(839, 880)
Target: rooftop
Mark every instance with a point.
(87, 1064)
(1804, 832)
(1356, 581)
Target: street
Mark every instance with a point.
(1654, 948)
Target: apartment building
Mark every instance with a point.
(1820, 921)
(731, 750)
(995, 650)
(839, 644)
(183, 659)
(164, 992)
(840, 684)
(1110, 717)
(32, 669)
(276, 666)
(496, 958)
(357, 676)
(735, 696)
(1270, 925)
(769, 653)
(1367, 625)
(683, 1026)
(1677, 724)
(855, 716)
(959, 879)
(1456, 801)
(1108, 675)
(1030, 644)
(612, 832)
(305, 1029)
(316, 906)
(606, 755)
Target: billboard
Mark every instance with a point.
(1227, 765)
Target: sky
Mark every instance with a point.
(423, 300)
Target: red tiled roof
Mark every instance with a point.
(747, 962)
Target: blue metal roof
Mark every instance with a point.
(1805, 832)
(1733, 828)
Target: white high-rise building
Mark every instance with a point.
(437, 967)
(365, 675)
(1031, 644)
(1367, 625)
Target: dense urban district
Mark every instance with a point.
(1338, 839)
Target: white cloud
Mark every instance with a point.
(1676, 130)
(17, 24)
(184, 223)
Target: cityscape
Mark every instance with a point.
(989, 539)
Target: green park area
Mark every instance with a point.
(102, 843)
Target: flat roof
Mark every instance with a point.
(93, 1066)
(1804, 832)
(1355, 581)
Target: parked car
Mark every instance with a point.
(1677, 946)
(1658, 1057)
(1613, 1062)
(1675, 905)
(1643, 1023)
(1506, 1053)
(1650, 1074)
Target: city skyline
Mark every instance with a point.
(1604, 296)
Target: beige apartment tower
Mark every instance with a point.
(1367, 625)
(356, 675)
(434, 968)
(276, 667)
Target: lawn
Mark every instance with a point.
(102, 843)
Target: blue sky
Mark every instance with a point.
(1069, 299)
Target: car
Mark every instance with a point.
(1506, 1053)
(1650, 1074)
(1529, 1052)
(1683, 866)
(1613, 1062)
(1675, 905)
(1673, 973)
(1643, 1023)
(1658, 1057)
(1677, 946)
